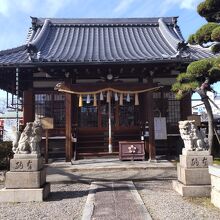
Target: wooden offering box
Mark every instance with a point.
(131, 150)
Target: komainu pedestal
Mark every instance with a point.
(26, 180)
(192, 171)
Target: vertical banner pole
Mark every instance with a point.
(109, 126)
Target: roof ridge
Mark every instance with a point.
(99, 21)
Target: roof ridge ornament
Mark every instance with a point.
(42, 35)
(171, 39)
(183, 50)
(34, 46)
(34, 23)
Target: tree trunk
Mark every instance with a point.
(205, 99)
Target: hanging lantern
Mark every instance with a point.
(136, 99)
(121, 99)
(116, 96)
(128, 98)
(88, 99)
(108, 97)
(101, 96)
(95, 100)
(80, 101)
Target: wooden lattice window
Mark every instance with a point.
(51, 105)
(129, 114)
(88, 114)
(173, 111)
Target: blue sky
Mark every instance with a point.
(15, 14)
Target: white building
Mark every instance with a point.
(198, 107)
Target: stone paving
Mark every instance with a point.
(114, 200)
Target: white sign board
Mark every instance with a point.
(160, 128)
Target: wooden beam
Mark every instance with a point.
(68, 145)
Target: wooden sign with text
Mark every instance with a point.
(47, 123)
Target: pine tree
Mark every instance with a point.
(200, 75)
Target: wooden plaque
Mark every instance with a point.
(47, 123)
(196, 118)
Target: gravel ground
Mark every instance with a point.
(66, 201)
(163, 203)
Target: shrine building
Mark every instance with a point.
(101, 82)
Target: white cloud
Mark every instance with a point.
(184, 4)
(123, 5)
(47, 8)
(4, 7)
(189, 4)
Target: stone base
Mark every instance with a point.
(195, 153)
(25, 195)
(192, 191)
(19, 180)
(215, 198)
(193, 176)
(26, 156)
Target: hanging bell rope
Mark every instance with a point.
(108, 99)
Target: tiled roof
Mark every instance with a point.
(103, 40)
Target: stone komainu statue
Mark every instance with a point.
(28, 141)
(193, 138)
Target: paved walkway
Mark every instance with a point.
(114, 200)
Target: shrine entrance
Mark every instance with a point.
(106, 114)
(94, 121)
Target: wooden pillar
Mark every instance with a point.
(28, 106)
(185, 107)
(68, 104)
(150, 116)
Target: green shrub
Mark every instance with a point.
(200, 68)
(202, 9)
(209, 9)
(191, 39)
(5, 154)
(215, 48)
(203, 35)
(216, 34)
